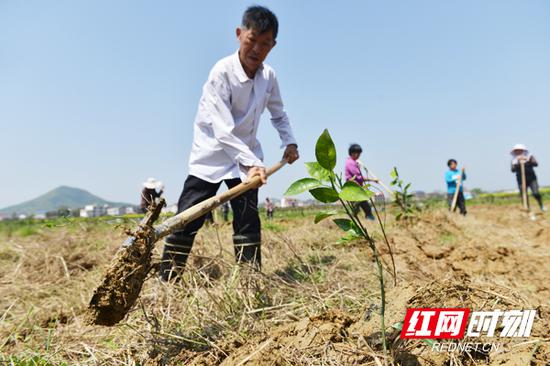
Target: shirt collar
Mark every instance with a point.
(239, 70)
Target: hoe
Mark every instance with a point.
(122, 282)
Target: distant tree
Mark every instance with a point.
(477, 191)
(51, 214)
(63, 211)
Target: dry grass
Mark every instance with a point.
(307, 307)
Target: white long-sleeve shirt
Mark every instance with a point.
(228, 117)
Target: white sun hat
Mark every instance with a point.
(151, 183)
(517, 147)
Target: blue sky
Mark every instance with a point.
(102, 94)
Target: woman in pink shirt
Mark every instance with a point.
(353, 173)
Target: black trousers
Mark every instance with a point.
(363, 205)
(533, 184)
(246, 226)
(460, 202)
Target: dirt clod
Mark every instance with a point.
(122, 283)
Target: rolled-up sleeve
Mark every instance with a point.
(279, 118)
(217, 93)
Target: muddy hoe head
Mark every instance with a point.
(122, 282)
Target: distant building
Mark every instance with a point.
(22, 217)
(93, 211)
(291, 202)
(116, 211)
(87, 211)
(40, 216)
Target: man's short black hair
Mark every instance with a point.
(354, 148)
(451, 161)
(260, 19)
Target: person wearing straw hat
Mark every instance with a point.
(520, 154)
(225, 147)
(150, 193)
(353, 173)
(455, 177)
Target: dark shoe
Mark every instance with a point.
(248, 249)
(176, 250)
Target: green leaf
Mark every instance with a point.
(344, 224)
(352, 231)
(398, 325)
(350, 236)
(301, 186)
(324, 194)
(323, 215)
(316, 171)
(394, 173)
(353, 192)
(325, 151)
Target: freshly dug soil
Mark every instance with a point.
(121, 284)
(335, 337)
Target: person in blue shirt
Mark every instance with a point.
(451, 177)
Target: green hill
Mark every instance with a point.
(62, 196)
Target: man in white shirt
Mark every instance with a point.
(225, 147)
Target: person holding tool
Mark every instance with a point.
(225, 147)
(523, 164)
(353, 173)
(150, 193)
(455, 191)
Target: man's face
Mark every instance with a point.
(355, 155)
(452, 165)
(254, 48)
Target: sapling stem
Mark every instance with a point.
(365, 234)
(386, 241)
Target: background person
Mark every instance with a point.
(269, 207)
(520, 153)
(225, 211)
(353, 173)
(451, 177)
(152, 189)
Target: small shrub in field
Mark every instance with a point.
(404, 199)
(26, 231)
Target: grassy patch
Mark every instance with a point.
(36, 360)
(271, 226)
